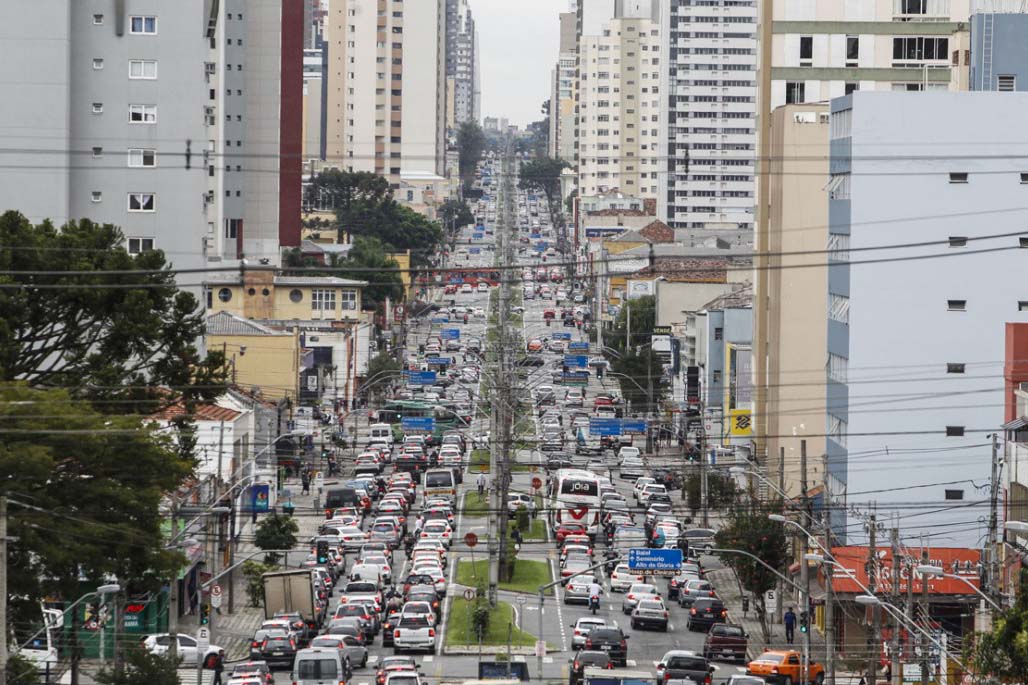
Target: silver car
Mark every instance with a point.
(580, 630)
(350, 648)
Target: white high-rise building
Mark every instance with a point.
(709, 106)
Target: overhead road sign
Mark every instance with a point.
(450, 334)
(411, 424)
(420, 377)
(646, 559)
(601, 426)
(633, 425)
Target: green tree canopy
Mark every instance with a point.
(455, 213)
(350, 194)
(85, 490)
(543, 175)
(112, 345)
(366, 261)
(471, 143)
(631, 352)
(275, 531)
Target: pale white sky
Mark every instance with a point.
(518, 41)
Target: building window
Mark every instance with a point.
(956, 305)
(958, 241)
(323, 300)
(225, 294)
(852, 50)
(954, 431)
(98, 108)
(98, 20)
(955, 367)
(806, 51)
(719, 333)
(348, 299)
(143, 25)
(1006, 83)
(98, 63)
(958, 177)
(919, 49)
(97, 196)
(838, 430)
(295, 295)
(143, 69)
(139, 157)
(716, 377)
(142, 202)
(1022, 241)
(838, 368)
(1022, 305)
(911, 6)
(794, 92)
(851, 87)
(1024, 177)
(139, 245)
(839, 308)
(142, 114)
(98, 152)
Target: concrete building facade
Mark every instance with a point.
(461, 60)
(708, 95)
(999, 52)
(618, 112)
(916, 337)
(792, 396)
(386, 87)
(562, 95)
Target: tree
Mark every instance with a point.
(351, 194)
(369, 262)
(543, 175)
(254, 571)
(750, 530)
(470, 144)
(455, 213)
(381, 366)
(1001, 654)
(721, 491)
(89, 487)
(275, 532)
(112, 345)
(142, 666)
(21, 671)
(631, 353)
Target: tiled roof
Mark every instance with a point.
(658, 232)
(227, 323)
(616, 212)
(317, 280)
(203, 412)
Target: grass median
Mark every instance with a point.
(459, 630)
(528, 575)
(475, 504)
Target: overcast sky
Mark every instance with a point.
(518, 40)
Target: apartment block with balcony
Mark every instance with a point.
(461, 60)
(619, 106)
(709, 108)
(915, 337)
(386, 107)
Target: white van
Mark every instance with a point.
(440, 483)
(381, 433)
(318, 666)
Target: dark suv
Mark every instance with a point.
(725, 640)
(705, 612)
(278, 650)
(582, 660)
(610, 641)
(679, 664)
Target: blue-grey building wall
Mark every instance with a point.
(1005, 52)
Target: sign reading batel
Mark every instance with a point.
(741, 422)
(637, 426)
(646, 559)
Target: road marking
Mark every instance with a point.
(428, 658)
(670, 626)
(630, 663)
(372, 659)
(547, 659)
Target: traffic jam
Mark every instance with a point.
(631, 599)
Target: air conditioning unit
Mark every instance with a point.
(210, 68)
(208, 115)
(208, 243)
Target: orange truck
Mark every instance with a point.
(783, 667)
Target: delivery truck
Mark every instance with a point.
(291, 592)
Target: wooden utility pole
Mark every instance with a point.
(872, 580)
(894, 644)
(804, 567)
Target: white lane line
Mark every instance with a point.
(428, 658)
(547, 659)
(560, 613)
(630, 663)
(372, 659)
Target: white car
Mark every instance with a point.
(516, 500)
(466, 288)
(580, 630)
(483, 287)
(622, 578)
(640, 483)
(437, 530)
(159, 643)
(628, 452)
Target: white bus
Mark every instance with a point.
(575, 498)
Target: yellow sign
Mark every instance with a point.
(742, 423)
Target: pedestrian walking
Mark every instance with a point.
(790, 625)
(305, 481)
(481, 484)
(219, 667)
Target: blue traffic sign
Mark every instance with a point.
(561, 336)
(539, 247)
(535, 236)
(477, 236)
(450, 334)
(633, 425)
(417, 423)
(644, 559)
(475, 250)
(578, 346)
(441, 318)
(420, 377)
(600, 426)
(436, 361)
(579, 360)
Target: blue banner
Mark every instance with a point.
(441, 318)
(259, 497)
(417, 423)
(439, 361)
(539, 247)
(535, 236)
(475, 250)
(575, 360)
(420, 377)
(450, 334)
(604, 426)
(633, 425)
(578, 346)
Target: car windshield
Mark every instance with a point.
(593, 659)
(692, 663)
(729, 631)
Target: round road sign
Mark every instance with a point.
(537, 482)
(469, 593)
(470, 539)
(216, 596)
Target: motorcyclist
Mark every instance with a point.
(595, 592)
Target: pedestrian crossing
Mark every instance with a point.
(187, 676)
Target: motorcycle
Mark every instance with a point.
(594, 603)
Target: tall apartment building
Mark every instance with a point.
(916, 337)
(709, 106)
(176, 126)
(461, 59)
(562, 95)
(314, 97)
(618, 103)
(386, 105)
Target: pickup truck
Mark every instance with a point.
(414, 632)
(782, 667)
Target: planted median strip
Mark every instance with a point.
(528, 575)
(460, 626)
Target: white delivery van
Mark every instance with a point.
(318, 666)
(381, 433)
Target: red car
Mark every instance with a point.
(450, 289)
(566, 529)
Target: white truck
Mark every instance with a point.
(287, 592)
(414, 632)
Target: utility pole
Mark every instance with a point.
(872, 579)
(704, 493)
(826, 520)
(894, 644)
(925, 620)
(3, 590)
(993, 556)
(804, 567)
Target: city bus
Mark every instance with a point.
(575, 498)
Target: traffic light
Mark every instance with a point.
(322, 551)
(804, 622)
(205, 613)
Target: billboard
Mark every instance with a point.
(741, 423)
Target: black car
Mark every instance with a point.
(584, 659)
(258, 640)
(278, 650)
(684, 665)
(610, 641)
(705, 612)
(388, 626)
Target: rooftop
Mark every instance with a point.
(227, 323)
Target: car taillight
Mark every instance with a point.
(255, 644)
(264, 645)
(298, 624)
(711, 593)
(396, 633)
(431, 632)
(576, 665)
(366, 617)
(578, 632)
(589, 643)
(667, 676)
(706, 681)
(624, 644)
(692, 612)
(665, 614)
(292, 644)
(774, 670)
(631, 596)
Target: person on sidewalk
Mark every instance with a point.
(789, 619)
(219, 667)
(305, 481)
(481, 484)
